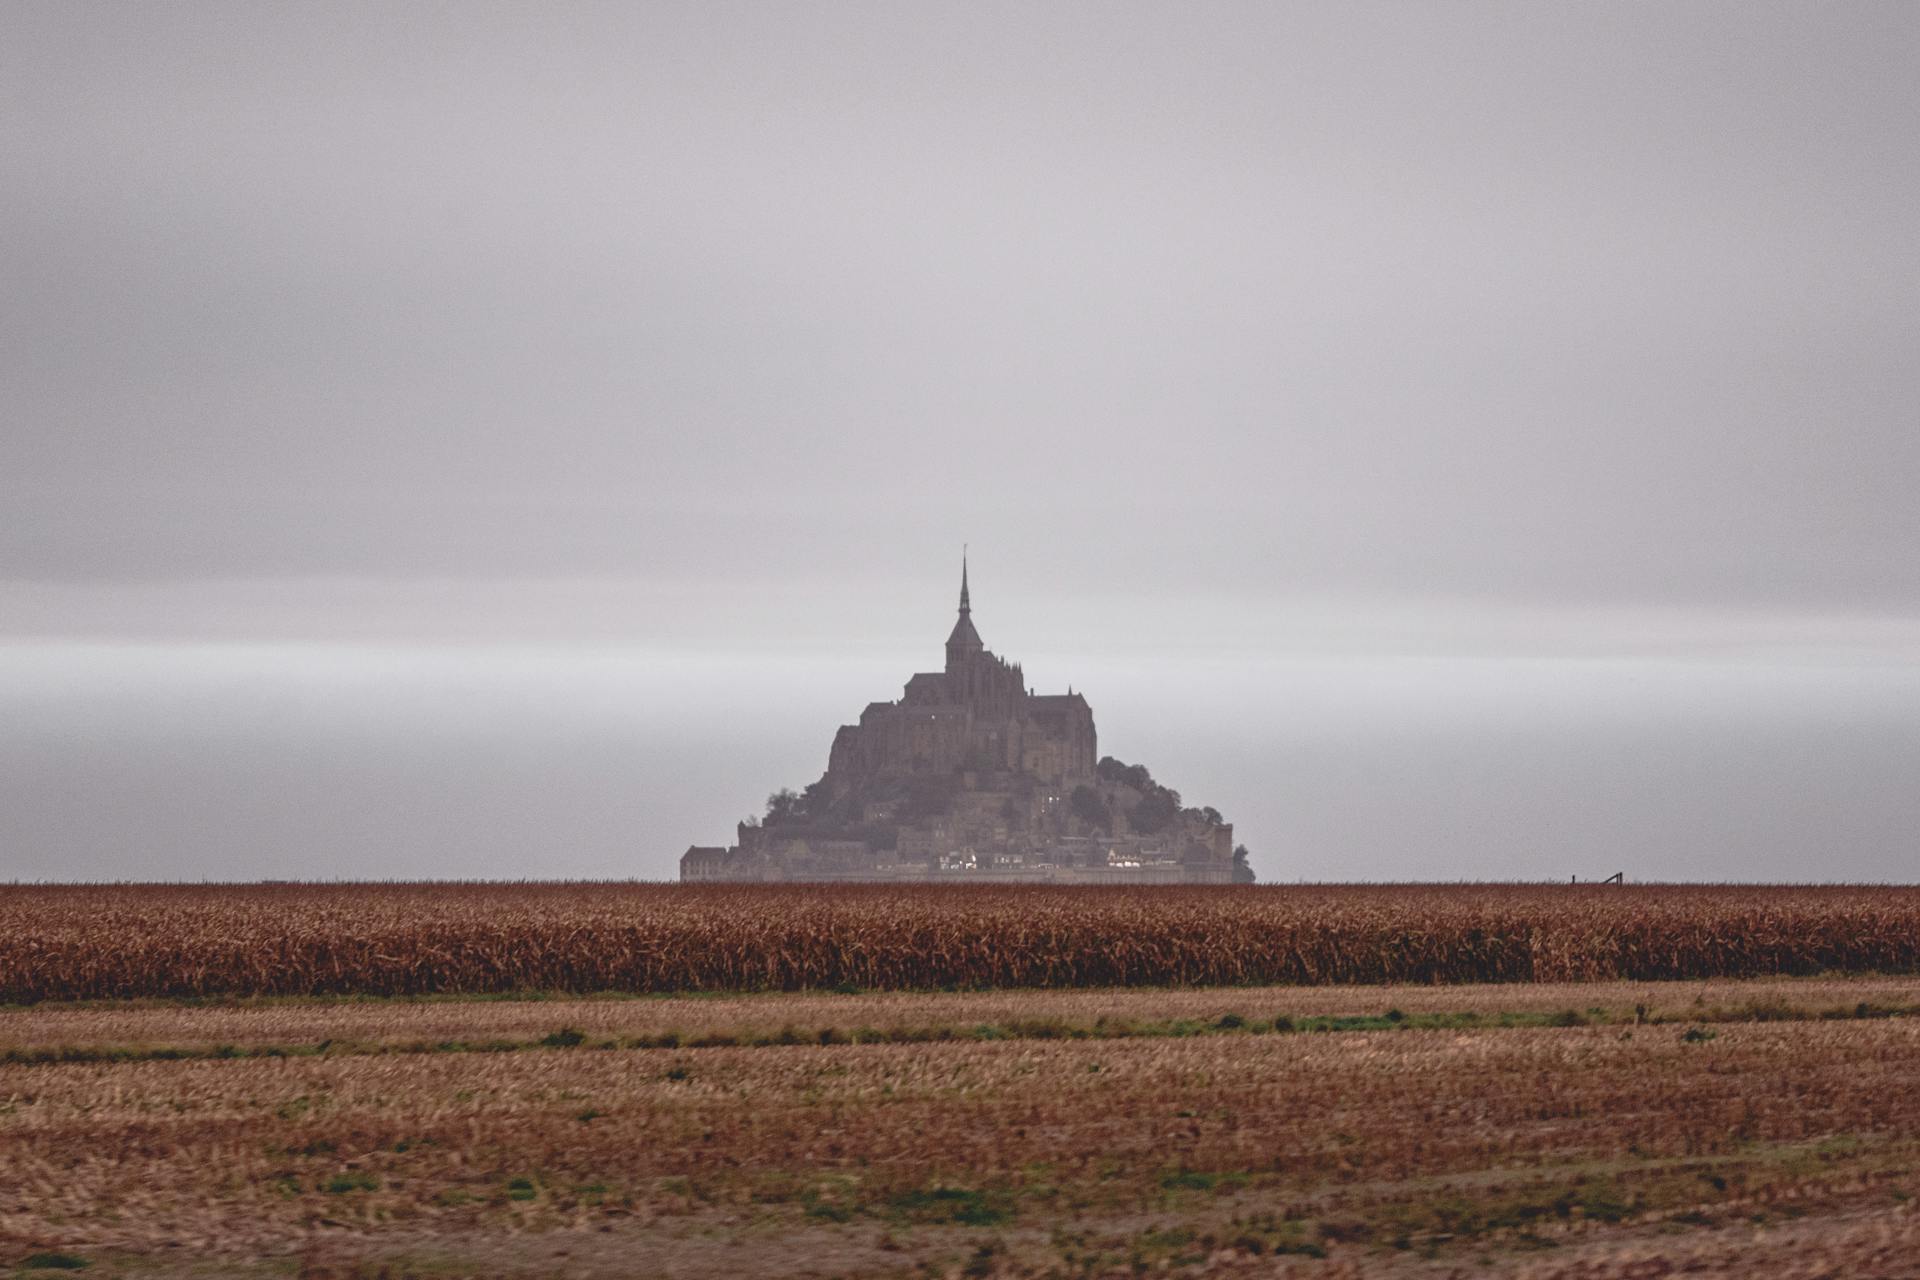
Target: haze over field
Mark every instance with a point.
(1461, 442)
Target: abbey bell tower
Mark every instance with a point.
(963, 645)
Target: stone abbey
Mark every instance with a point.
(972, 776)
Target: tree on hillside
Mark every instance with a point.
(1155, 812)
(1123, 774)
(817, 800)
(1091, 808)
(784, 805)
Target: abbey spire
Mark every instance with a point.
(963, 645)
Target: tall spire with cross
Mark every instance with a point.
(964, 643)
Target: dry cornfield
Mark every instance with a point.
(72, 942)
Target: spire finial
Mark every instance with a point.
(966, 606)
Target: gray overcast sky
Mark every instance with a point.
(1454, 439)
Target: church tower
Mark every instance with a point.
(963, 645)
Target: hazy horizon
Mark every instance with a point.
(1456, 443)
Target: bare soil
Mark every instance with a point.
(1770, 1127)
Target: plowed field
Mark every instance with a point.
(1580, 1130)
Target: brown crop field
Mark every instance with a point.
(171, 941)
(1563, 1131)
(1543, 1081)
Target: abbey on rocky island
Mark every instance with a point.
(971, 776)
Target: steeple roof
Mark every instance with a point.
(963, 634)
